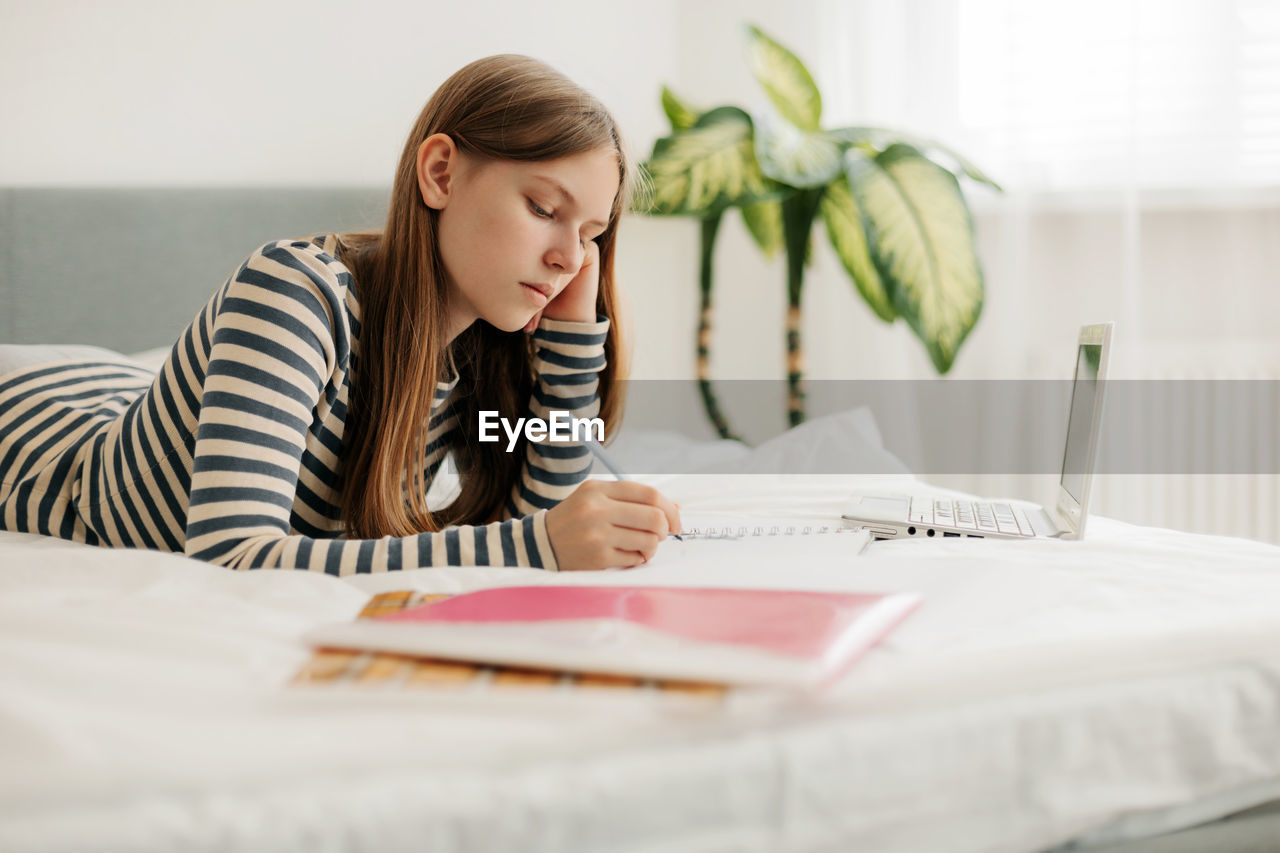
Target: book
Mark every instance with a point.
(373, 670)
(731, 636)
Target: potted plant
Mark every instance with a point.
(891, 204)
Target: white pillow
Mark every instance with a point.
(847, 442)
(655, 451)
(152, 359)
(18, 356)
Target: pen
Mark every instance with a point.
(598, 452)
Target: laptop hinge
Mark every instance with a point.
(1048, 524)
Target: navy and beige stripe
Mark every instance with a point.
(231, 452)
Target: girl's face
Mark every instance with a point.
(513, 233)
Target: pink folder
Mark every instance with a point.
(741, 636)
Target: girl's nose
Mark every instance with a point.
(566, 257)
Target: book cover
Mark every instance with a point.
(761, 637)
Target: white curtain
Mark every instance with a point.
(1095, 94)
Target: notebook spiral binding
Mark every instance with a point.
(745, 531)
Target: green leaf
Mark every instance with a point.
(848, 235)
(799, 158)
(679, 113)
(708, 167)
(785, 79)
(881, 137)
(764, 221)
(921, 238)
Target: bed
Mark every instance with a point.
(1119, 693)
(1046, 694)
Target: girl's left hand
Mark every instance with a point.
(577, 302)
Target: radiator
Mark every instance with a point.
(1222, 414)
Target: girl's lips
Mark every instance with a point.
(538, 296)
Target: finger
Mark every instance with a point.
(627, 559)
(646, 518)
(633, 492)
(530, 326)
(644, 541)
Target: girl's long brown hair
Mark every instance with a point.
(509, 107)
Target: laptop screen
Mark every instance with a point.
(1084, 397)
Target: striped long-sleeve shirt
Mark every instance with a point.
(231, 453)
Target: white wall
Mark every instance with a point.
(279, 92)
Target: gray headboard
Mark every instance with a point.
(128, 268)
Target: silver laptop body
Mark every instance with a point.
(901, 517)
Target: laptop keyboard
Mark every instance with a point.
(977, 516)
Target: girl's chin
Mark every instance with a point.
(509, 324)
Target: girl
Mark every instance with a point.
(300, 418)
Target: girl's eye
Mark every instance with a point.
(544, 214)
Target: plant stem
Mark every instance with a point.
(710, 226)
(798, 213)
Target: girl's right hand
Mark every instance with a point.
(605, 525)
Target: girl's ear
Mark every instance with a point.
(438, 161)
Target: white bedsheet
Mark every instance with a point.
(1044, 691)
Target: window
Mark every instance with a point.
(1065, 96)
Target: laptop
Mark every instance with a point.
(901, 517)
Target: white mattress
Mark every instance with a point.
(1045, 691)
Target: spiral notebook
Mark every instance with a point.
(714, 547)
(757, 529)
